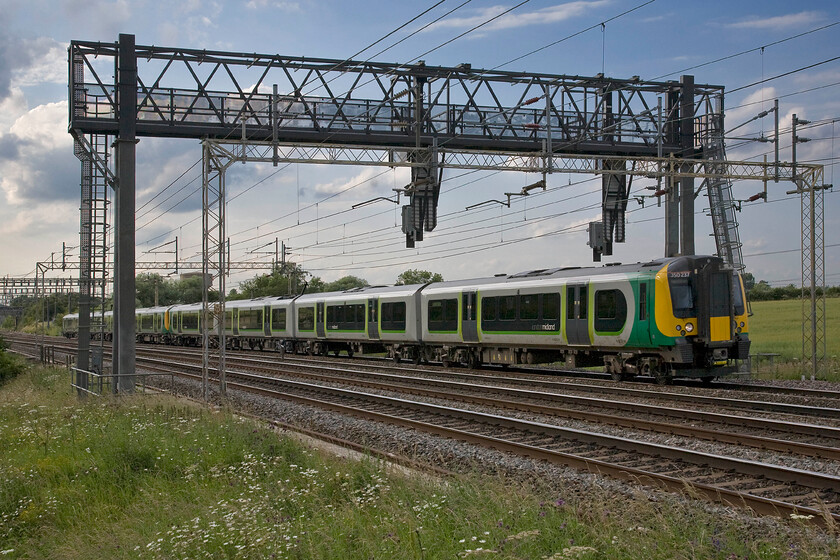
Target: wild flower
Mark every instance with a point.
(476, 552)
(523, 535)
(572, 553)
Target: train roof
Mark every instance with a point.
(362, 293)
(560, 272)
(158, 309)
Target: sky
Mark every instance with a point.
(309, 207)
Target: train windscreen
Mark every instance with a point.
(682, 296)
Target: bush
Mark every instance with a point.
(10, 365)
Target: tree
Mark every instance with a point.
(282, 281)
(346, 283)
(749, 281)
(413, 276)
(146, 283)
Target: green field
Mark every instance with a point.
(151, 477)
(776, 327)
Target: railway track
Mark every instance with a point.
(519, 374)
(765, 488)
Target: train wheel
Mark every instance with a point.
(445, 362)
(417, 357)
(663, 375)
(707, 381)
(336, 352)
(350, 352)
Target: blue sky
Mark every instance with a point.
(39, 176)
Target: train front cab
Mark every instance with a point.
(700, 310)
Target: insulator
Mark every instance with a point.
(532, 100)
(661, 192)
(755, 197)
(532, 126)
(619, 227)
(431, 215)
(608, 225)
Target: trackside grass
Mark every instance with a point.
(152, 477)
(776, 327)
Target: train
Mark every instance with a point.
(667, 318)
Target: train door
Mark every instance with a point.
(577, 322)
(373, 318)
(267, 320)
(643, 313)
(469, 317)
(715, 313)
(319, 320)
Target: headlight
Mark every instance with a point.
(679, 328)
(742, 324)
(689, 327)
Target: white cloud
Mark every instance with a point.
(41, 165)
(778, 22)
(551, 14)
(750, 106)
(362, 183)
(44, 218)
(46, 63)
(11, 108)
(45, 126)
(193, 24)
(288, 7)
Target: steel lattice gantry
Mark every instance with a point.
(424, 117)
(421, 113)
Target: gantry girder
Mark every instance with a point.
(211, 94)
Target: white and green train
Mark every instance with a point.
(670, 317)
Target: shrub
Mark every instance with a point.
(10, 365)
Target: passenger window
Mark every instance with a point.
(584, 300)
(507, 308)
(570, 303)
(278, 319)
(488, 309)
(529, 307)
(550, 306)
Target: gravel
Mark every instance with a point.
(457, 456)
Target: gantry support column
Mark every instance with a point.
(811, 190)
(687, 182)
(214, 259)
(679, 201)
(124, 252)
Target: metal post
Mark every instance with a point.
(686, 182)
(125, 288)
(813, 240)
(214, 259)
(672, 216)
(672, 207)
(776, 141)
